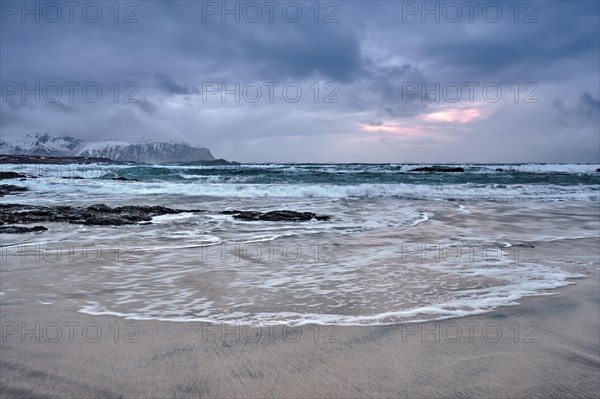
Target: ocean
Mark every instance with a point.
(399, 246)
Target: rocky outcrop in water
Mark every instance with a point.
(103, 215)
(99, 214)
(21, 229)
(121, 178)
(7, 189)
(12, 175)
(437, 169)
(214, 162)
(275, 216)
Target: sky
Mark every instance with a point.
(306, 81)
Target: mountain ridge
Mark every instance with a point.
(147, 151)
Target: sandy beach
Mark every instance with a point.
(548, 346)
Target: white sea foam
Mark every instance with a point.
(111, 189)
(374, 289)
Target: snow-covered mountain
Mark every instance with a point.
(41, 144)
(66, 146)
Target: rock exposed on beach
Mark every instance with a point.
(12, 175)
(275, 216)
(21, 229)
(104, 215)
(98, 215)
(6, 189)
(437, 169)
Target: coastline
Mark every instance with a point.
(186, 360)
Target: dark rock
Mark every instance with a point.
(598, 170)
(99, 208)
(98, 214)
(21, 229)
(217, 162)
(230, 212)
(499, 170)
(437, 169)
(248, 215)
(157, 209)
(287, 216)
(275, 216)
(12, 175)
(103, 215)
(6, 189)
(522, 245)
(121, 178)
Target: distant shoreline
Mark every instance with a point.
(37, 159)
(25, 159)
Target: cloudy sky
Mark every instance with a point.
(346, 81)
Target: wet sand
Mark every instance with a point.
(547, 346)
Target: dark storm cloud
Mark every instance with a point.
(584, 112)
(172, 87)
(147, 106)
(521, 48)
(589, 106)
(322, 51)
(387, 89)
(371, 53)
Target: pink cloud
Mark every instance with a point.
(389, 127)
(453, 115)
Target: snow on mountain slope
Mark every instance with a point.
(154, 152)
(150, 152)
(41, 144)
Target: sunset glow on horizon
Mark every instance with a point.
(389, 127)
(453, 115)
